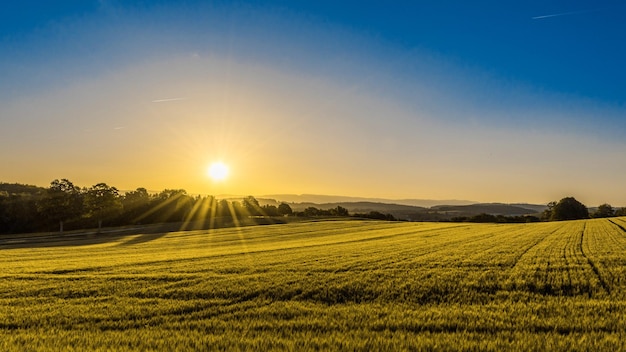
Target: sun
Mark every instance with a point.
(218, 171)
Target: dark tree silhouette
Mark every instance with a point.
(137, 206)
(569, 209)
(340, 211)
(311, 211)
(18, 212)
(102, 202)
(546, 215)
(251, 205)
(604, 211)
(60, 202)
(269, 210)
(223, 208)
(172, 205)
(284, 209)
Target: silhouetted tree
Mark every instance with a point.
(484, 218)
(238, 210)
(341, 211)
(311, 211)
(137, 205)
(172, 205)
(203, 208)
(620, 212)
(251, 205)
(223, 208)
(569, 209)
(61, 201)
(18, 208)
(284, 209)
(269, 210)
(604, 211)
(102, 202)
(376, 215)
(546, 215)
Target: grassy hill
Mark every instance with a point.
(329, 285)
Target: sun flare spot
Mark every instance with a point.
(218, 171)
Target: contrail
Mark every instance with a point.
(170, 99)
(562, 14)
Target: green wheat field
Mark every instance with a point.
(327, 285)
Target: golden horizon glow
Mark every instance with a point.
(218, 171)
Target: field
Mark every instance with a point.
(328, 285)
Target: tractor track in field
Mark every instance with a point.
(533, 245)
(618, 225)
(593, 265)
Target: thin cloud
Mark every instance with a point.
(563, 14)
(168, 99)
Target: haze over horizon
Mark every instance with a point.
(483, 101)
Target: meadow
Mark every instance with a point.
(326, 285)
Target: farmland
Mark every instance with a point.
(330, 285)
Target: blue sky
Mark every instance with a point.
(579, 52)
(488, 101)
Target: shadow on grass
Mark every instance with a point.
(128, 236)
(142, 238)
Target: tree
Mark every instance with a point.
(102, 202)
(311, 211)
(252, 206)
(483, 217)
(546, 215)
(620, 212)
(203, 208)
(604, 211)
(284, 209)
(137, 198)
(238, 210)
(569, 209)
(18, 213)
(172, 205)
(269, 210)
(376, 215)
(137, 205)
(341, 211)
(61, 201)
(223, 208)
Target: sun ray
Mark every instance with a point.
(237, 224)
(156, 208)
(189, 218)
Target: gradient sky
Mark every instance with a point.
(484, 100)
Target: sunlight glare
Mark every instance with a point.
(218, 171)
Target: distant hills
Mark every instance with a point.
(491, 208)
(18, 188)
(321, 199)
(406, 209)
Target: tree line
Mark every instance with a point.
(567, 208)
(64, 206)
